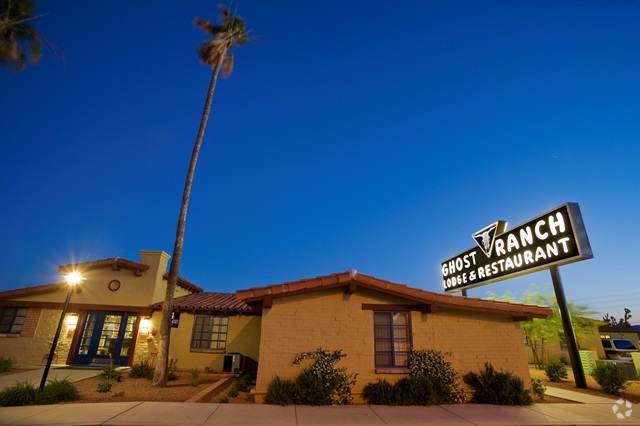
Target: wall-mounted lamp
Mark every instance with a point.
(145, 325)
(72, 321)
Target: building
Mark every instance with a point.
(114, 315)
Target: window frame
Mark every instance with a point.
(392, 339)
(203, 332)
(11, 324)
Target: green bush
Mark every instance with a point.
(500, 388)
(56, 391)
(610, 377)
(142, 369)
(407, 391)
(6, 364)
(335, 380)
(431, 364)
(379, 393)
(110, 372)
(556, 370)
(105, 386)
(223, 400)
(538, 388)
(281, 392)
(22, 393)
(311, 390)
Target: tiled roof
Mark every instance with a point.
(30, 291)
(208, 302)
(354, 280)
(114, 262)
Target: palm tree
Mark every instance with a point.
(19, 40)
(215, 52)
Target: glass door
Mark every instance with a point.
(106, 337)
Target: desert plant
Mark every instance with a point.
(6, 364)
(22, 393)
(223, 400)
(118, 394)
(610, 377)
(56, 391)
(172, 374)
(233, 392)
(311, 390)
(538, 388)
(379, 393)
(500, 388)
(105, 386)
(195, 374)
(431, 364)
(281, 392)
(142, 369)
(110, 372)
(335, 380)
(556, 370)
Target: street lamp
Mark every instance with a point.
(73, 279)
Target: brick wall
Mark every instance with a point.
(334, 320)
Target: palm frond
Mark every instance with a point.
(227, 66)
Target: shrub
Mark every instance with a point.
(379, 393)
(110, 372)
(311, 390)
(335, 380)
(281, 392)
(195, 374)
(556, 370)
(500, 388)
(431, 364)
(407, 391)
(105, 386)
(610, 377)
(538, 388)
(6, 364)
(22, 393)
(142, 369)
(223, 400)
(118, 394)
(56, 391)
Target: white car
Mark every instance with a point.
(618, 349)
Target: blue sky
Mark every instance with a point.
(363, 134)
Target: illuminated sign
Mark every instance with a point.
(552, 239)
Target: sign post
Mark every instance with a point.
(555, 238)
(567, 325)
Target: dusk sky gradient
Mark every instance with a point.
(352, 134)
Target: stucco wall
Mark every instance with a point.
(334, 320)
(243, 336)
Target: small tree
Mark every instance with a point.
(622, 322)
(539, 332)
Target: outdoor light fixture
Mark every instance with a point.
(73, 279)
(72, 322)
(145, 325)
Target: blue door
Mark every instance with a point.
(106, 337)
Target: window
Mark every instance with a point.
(392, 334)
(12, 320)
(210, 332)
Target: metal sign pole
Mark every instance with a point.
(565, 316)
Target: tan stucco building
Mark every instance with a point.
(114, 316)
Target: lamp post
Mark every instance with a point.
(72, 279)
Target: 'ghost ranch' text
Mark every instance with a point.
(538, 243)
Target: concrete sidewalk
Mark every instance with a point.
(177, 413)
(590, 410)
(33, 374)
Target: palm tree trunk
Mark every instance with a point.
(160, 373)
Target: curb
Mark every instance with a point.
(202, 394)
